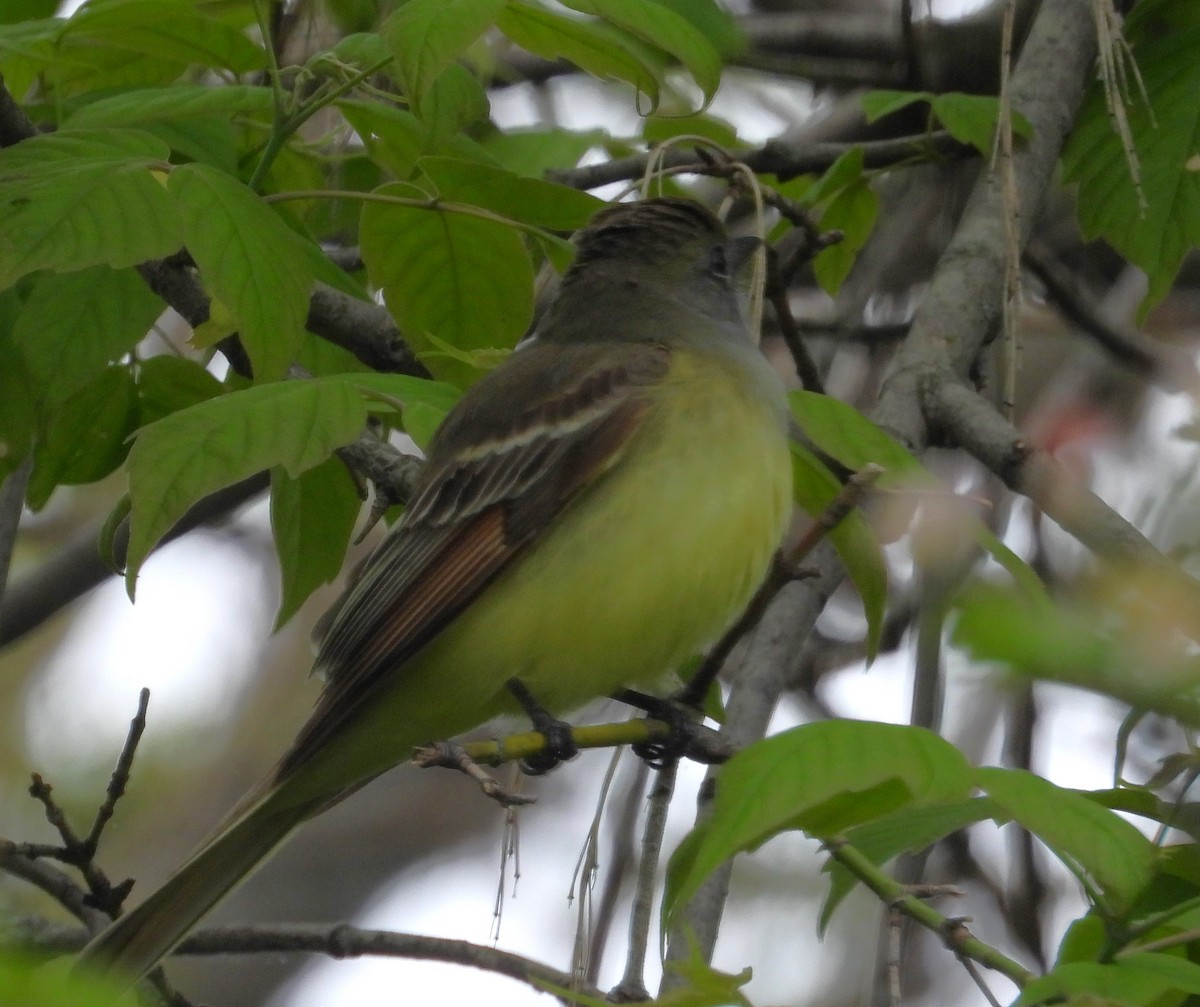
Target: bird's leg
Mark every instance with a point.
(678, 716)
(560, 744)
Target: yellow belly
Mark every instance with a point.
(646, 569)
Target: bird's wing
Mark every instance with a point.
(515, 451)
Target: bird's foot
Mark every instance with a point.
(686, 736)
(560, 741)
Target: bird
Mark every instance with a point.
(593, 512)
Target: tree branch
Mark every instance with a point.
(1171, 367)
(776, 157)
(961, 310)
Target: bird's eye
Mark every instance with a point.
(717, 262)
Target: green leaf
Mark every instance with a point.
(455, 99)
(395, 138)
(25, 982)
(448, 276)
(196, 451)
(195, 120)
(147, 106)
(1111, 857)
(1133, 981)
(821, 778)
(64, 347)
(969, 118)
(972, 119)
(843, 433)
(253, 262)
(533, 152)
(905, 831)
(713, 21)
(657, 128)
(18, 407)
(87, 437)
(592, 47)
(665, 29)
(405, 391)
(1167, 139)
(852, 211)
(142, 43)
(428, 35)
(543, 204)
(166, 384)
(78, 198)
(877, 104)
(26, 10)
(1077, 645)
(312, 518)
(1084, 941)
(815, 488)
(1023, 575)
(845, 171)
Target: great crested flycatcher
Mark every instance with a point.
(592, 513)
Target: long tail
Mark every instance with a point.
(140, 939)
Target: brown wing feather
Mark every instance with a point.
(497, 474)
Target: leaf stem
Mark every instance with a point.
(953, 931)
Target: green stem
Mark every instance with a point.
(284, 125)
(953, 932)
(424, 203)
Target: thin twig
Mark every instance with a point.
(632, 987)
(120, 774)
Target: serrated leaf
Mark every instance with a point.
(665, 29)
(1099, 847)
(821, 778)
(201, 449)
(78, 198)
(65, 347)
(253, 262)
(815, 488)
(312, 519)
(1167, 139)
(450, 277)
(532, 200)
(906, 831)
(428, 35)
(592, 47)
(87, 437)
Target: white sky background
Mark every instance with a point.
(176, 641)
